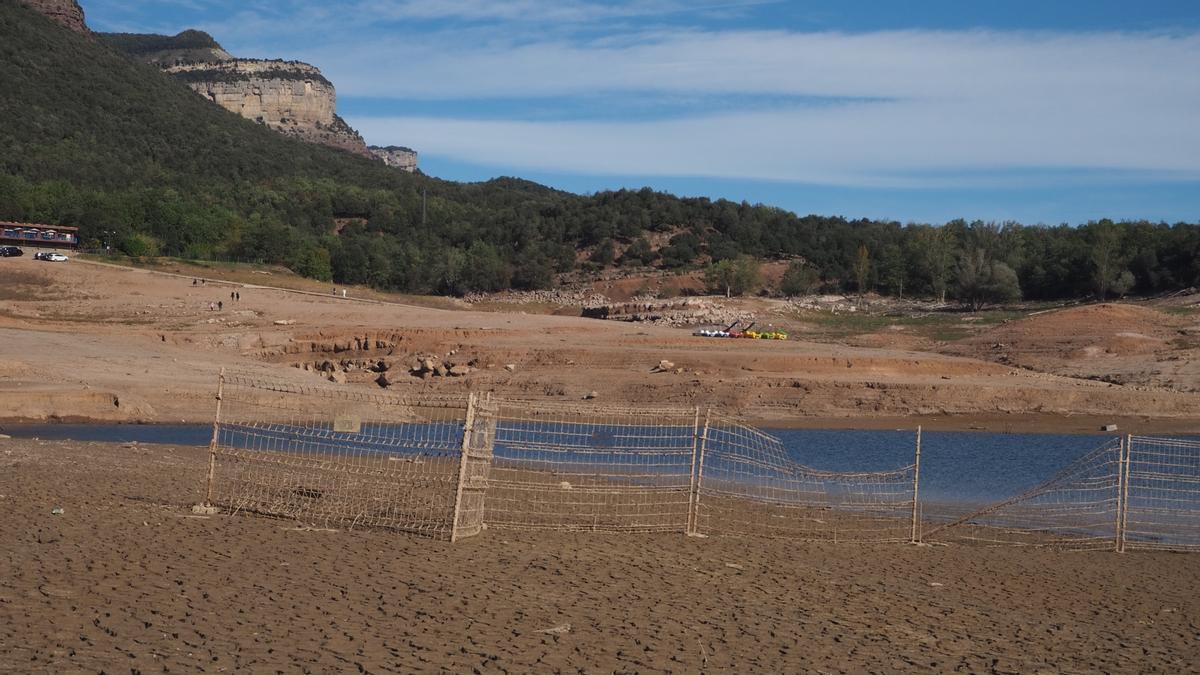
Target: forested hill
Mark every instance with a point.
(92, 139)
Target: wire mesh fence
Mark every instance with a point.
(1079, 508)
(1161, 494)
(450, 467)
(748, 485)
(327, 455)
(570, 467)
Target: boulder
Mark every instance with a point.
(459, 370)
(337, 377)
(663, 366)
(384, 381)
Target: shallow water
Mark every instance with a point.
(956, 467)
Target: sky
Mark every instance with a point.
(1043, 111)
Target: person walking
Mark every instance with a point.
(220, 305)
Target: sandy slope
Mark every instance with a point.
(98, 342)
(125, 579)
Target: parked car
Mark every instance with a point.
(10, 252)
(55, 257)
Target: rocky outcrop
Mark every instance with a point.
(290, 97)
(66, 12)
(397, 157)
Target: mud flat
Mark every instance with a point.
(126, 578)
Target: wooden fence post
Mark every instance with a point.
(699, 474)
(916, 515)
(692, 477)
(468, 426)
(212, 444)
(1123, 484)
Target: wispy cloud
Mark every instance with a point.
(897, 108)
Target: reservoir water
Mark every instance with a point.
(956, 467)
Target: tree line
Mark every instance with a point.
(141, 163)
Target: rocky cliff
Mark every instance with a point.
(397, 157)
(290, 97)
(65, 12)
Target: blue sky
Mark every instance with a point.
(917, 111)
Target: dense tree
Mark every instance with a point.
(982, 280)
(731, 277)
(798, 279)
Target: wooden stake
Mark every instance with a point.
(1124, 487)
(916, 520)
(689, 528)
(468, 427)
(700, 474)
(212, 444)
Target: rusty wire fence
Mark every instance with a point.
(450, 467)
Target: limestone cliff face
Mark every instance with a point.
(290, 97)
(66, 12)
(397, 157)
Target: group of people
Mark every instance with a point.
(234, 296)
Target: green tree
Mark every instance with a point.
(981, 281)
(798, 279)
(862, 268)
(732, 277)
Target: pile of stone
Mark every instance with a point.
(558, 296)
(687, 312)
(426, 367)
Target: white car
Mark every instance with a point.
(52, 257)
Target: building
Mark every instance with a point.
(43, 236)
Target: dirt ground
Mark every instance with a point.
(126, 579)
(87, 341)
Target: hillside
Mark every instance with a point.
(289, 97)
(138, 160)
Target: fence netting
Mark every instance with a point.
(326, 455)
(581, 467)
(1162, 495)
(748, 485)
(452, 466)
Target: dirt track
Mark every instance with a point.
(126, 579)
(84, 341)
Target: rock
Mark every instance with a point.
(384, 381)
(590, 395)
(289, 97)
(459, 370)
(439, 370)
(663, 366)
(510, 367)
(1108, 427)
(381, 367)
(337, 377)
(396, 157)
(285, 322)
(204, 510)
(428, 365)
(68, 13)
(57, 511)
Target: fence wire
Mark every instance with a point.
(450, 467)
(1076, 509)
(747, 485)
(1162, 494)
(327, 456)
(573, 467)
